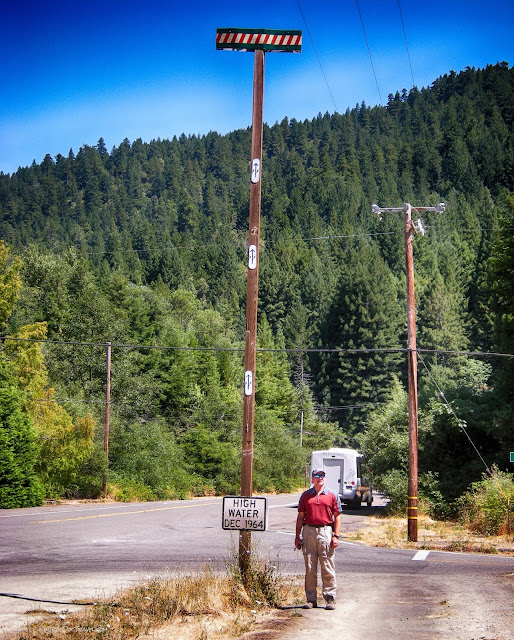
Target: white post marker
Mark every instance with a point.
(248, 383)
(256, 171)
(245, 513)
(252, 257)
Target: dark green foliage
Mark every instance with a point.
(501, 285)
(487, 507)
(278, 458)
(91, 473)
(146, 455)
(365, 314)
(146, 245)
(19, 485)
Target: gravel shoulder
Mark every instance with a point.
(396, 609)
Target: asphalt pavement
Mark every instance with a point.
(54, 555)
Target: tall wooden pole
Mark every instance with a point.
(412, 359)
(252, 299)
(259, 41)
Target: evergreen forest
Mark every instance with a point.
(145, 247)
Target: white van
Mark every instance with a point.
(342, 469)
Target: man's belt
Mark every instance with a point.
(317, 525)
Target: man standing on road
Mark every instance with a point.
(319, 514)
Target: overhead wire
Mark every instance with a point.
(354, 235)
(215, 245)
(406, 44)
(352, 350)
(268, 242)
(369, 50)
(188, 411)
(316, 52)
(345, 350)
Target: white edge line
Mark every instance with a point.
(289, 533)
(276, 506)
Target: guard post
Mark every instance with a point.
(259, 41)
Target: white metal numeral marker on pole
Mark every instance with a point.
(256, 170)
(252, 257)
(248, 383)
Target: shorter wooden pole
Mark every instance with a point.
(107, 415)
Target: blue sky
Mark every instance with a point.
(72, 72)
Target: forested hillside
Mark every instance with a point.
(145, 247)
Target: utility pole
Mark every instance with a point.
(107, 414)
(411, 228)
(259, 41)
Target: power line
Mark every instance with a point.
(207, 245)
(406, 45)
(369, 50)
(465, 353)
(269, 242)
(40, 400)
(355, 235)
(316, 52)
(264, 350)
(321, 408)
(229, 415)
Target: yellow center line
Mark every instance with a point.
(122, 513)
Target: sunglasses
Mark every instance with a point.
(319, 475)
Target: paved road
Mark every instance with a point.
(89, 550)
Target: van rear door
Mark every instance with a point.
(334, 474)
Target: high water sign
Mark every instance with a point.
(245, 513)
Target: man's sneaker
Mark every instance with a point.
(310, 605)
(331, 603)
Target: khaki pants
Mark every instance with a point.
(316, 547)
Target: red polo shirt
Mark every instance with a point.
(320, 508)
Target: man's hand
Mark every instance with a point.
(298, 542)
(334, 542)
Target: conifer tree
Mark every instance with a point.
(19, 485)
(365, 314)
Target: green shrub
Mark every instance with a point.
(90, 474)
(431, 498)
(19, 485)
(123, 489)
(214, 460)
(394, 485)
(145, 460)
(487, 505)
(278, 457)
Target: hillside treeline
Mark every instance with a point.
(145, 247)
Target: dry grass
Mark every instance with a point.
(432, 534)
(204, 606)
